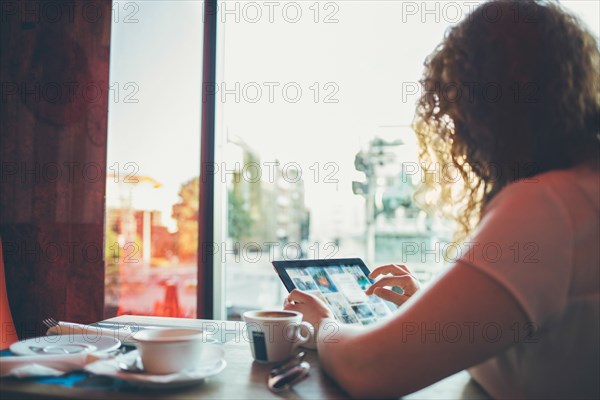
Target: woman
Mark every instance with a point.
(511, 102)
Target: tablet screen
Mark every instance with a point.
(342, 287)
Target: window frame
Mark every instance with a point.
(209, 303)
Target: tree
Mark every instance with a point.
(186, 214)
(238, 219)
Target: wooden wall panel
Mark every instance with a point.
(54, 63)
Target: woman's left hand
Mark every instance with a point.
(313, 308)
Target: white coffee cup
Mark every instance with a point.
(274, 335)
(166, 351)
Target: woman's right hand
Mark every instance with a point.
(400, 277)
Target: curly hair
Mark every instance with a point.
(512, 91)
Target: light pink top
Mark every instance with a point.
(543, 246)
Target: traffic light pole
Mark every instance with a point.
(370, 220)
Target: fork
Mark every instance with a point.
(50, 322)
(122, 332)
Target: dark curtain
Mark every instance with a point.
(54, 63)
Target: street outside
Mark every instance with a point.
(249, 284)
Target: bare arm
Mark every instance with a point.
(462, 319)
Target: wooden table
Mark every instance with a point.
(242, 379)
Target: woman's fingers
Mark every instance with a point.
(313, 310)
(389, 295)
(298, 296)
(289, 306)
(294, 304)
(406, 282)
(393, 269)
(388, 281)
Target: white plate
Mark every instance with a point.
(64, 344)
(211, 363)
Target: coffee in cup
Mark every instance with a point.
(274, 335)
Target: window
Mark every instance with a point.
(315, 157)
(315, 102)
(153, 158)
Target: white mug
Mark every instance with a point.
(274, 335)
(165, 351)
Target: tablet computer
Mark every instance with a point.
(340, 283)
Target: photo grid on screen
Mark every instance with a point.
(342, 288)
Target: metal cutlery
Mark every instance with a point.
(288, 373)
(122, 332)
(50, 322)
(132, 367)
(289, 377)
(290, 362)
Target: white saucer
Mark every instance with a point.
(64, 344)
(211, 363)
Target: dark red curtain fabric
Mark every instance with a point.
(54, 63)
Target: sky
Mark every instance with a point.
(362, 59)
(157, 127)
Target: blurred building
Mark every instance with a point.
(130, 221)
(269, 194)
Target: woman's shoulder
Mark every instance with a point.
(558, 187)
(581, 175)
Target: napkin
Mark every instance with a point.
(46, 365)
(123, 332)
